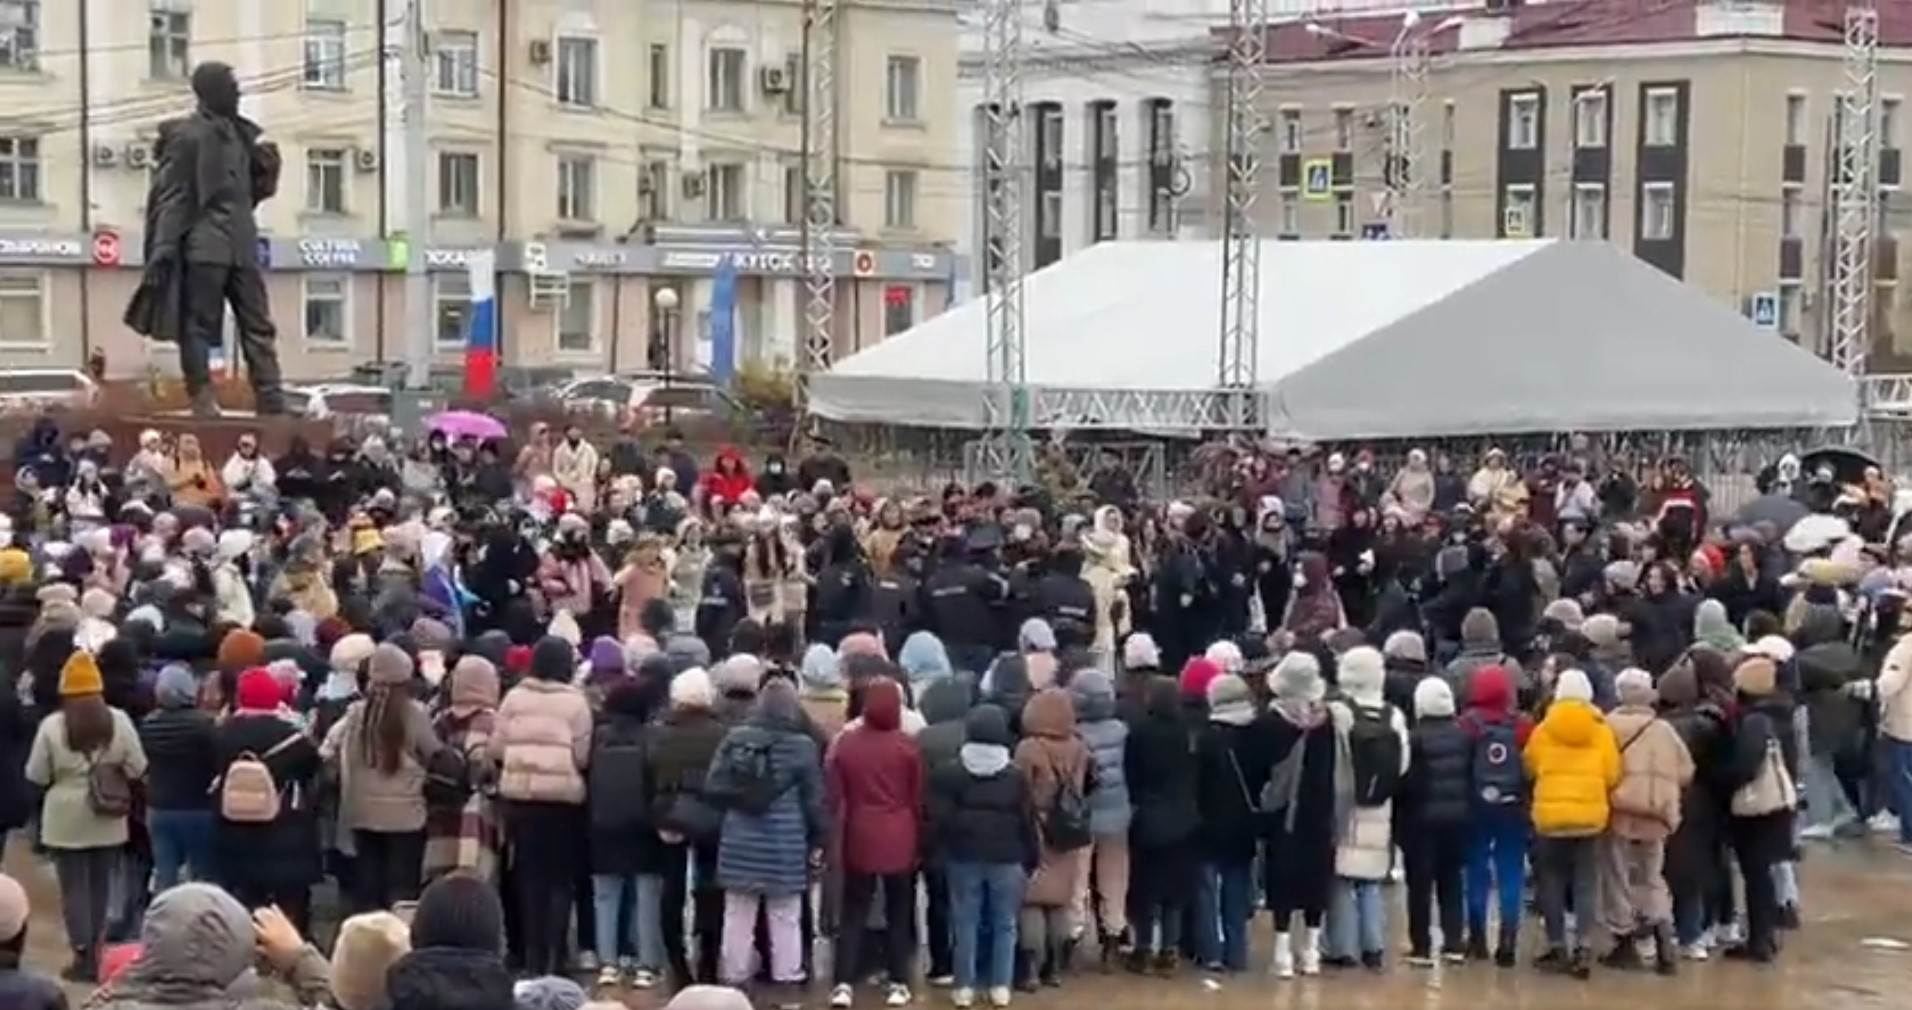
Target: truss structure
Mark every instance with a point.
(1241, 246)
(1005, 449)
(1190, 411)
(1855, 192)
(819, 189)
(1407, 162)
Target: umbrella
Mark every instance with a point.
(1782, 510)
(467, 424)
(1848, 464)
(1815, 533)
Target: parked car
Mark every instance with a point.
(351, 408)
(36, 389)
(648, 397)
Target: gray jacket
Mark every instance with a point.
(1107, 738)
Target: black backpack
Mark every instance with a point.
(617, 783)
(1499, 777)
(447, 779)
(752, 782)
(1065, 825)
(1374, 749)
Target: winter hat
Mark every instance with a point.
(1433, 699)
(1199, 672)
(1635, 687)
(241, 649)
(350, 653)
(923, 658)
(1227, 655)
(1573, 685)
(1297, 676)
(820, 670)
(686, 651)
(16, 567)
(1229, 701)
(234, 543)
(553, 659)
(176, 687)
(692, 689)
(552, 992)
(459, 911)
(1407, 646)
(566, 627)
(518, 660)
(367, 946)
(1036, 635)
(80, 676)
(1566, 611)
(1141, 653)
(1603, 631)
(988, 724)
(607, 656)
(861, 643)
(14, 909)
(198, 541)
(1680, 686)
(433, 635)
(1772, 647)
(1623, 575)
(258, 691)
(741, 674)
(1360, 673)
(474, 685)
(97, 603)
(389, 665)
(1756, 677)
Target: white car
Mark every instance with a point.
(352, 406)
(621, 397)
(34, 389)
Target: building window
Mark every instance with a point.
(1590, 118)
(1344, 129)
(901, 88)
(724, 90)
(899, 198)
(577, 187)
(325, 54)
(660, 68)
(899, 308)
(1050, 226)
(1789, 212)
(1517, 215)
(1656, 211)
(1523, 121)
(1662, 115)
(1104, 158)
(576, 321)
(1291, 135)
(1343, 214)
(20, 36)
(654, 189)
(794, 188)
(577, 71)
(22, 310)
(451, 309)
(1889, 122)
(1049, 135)
(1795, 120)
(20, 169)
(455, 56)
(793, 80)
(325, 311)
(325, 180)
(1589, 210)
(168, 34)
(724, 192)
(1789, 305)
(1290, 212)
(458, 183)
(1159, 182)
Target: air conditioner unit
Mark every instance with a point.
(105, 155)
(366, 159)
(540, 52)
(693, 184)
(775, 79)
(1513, 222)
(139, 154)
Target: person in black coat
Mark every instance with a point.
(1436, 797)
(1232, 767)
(277, 862)
(723, 603)
(1186, 617)
(626, 857)
(1161, 771)
(181, 752)
(456, 961)
(1760, 841)
(843, 587)
(1300, 836)
(1064, 599)
(1695, 853)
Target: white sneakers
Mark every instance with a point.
(899, 995)
(842, 996)
(963, 999)
(999, 996)
(1311, 952)
(609, 977)
(1284, 966)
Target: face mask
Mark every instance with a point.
(573, 439)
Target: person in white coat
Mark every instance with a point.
(232, 596)
(1894, 691)
(1364, 849)
(574, 463)
(247, 471)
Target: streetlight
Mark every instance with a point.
(666, 301)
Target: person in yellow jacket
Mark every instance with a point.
(1574, 764)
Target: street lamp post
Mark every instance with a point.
(666, 301)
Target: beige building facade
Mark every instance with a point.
(601, 150)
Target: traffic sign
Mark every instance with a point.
(1765, 310)
(106, 248)
(1317, 179)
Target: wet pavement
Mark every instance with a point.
(1854, 892)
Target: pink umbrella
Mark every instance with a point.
(467, 424)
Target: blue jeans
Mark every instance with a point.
(1359, 918)
(1899, 786)
(983, 901)
(610, 897)
(1222, 909)
(181, 839)
(1499, 847)
(1826, 802)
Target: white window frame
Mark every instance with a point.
(900, 189)
(657, 68)
(320, 161)
(1792, 211)
(1649, 192)
(455, 64)
(1660, 114)
(1051, 220)
(1290, 211)
(1791, 306)
(20, 43)
(447, 207)
(1522, 194)
(1891, 109)
(1343, 129)
(726, 191)
(1796, 118)
(15, 284)
(25, 169)
(1580, 203)
(661, 172)
(1590, 119)
(582, 297)
(575, 202)
(450, 290)
(1344, 222)
(902, 88)
(344, 299)
(324, 54)
(573, 86)
(724, 91)
(1523, 121)
(1293, 137)
(169, 32)
(1049, 134)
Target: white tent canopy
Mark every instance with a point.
(1362, 340)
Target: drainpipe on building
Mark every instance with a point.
(502, 83)
(384, 158)
(617, 318)
(86, 177)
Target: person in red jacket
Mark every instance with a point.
(1499, 816)
(874, 780)
(729, 479)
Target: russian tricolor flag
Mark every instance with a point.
(481, 337)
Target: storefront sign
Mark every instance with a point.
(329, 253)
(45, 249)
(450, 259)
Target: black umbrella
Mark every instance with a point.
(1848, 464)
(1781, 510)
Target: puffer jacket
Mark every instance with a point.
(1894, 691)
(677, 753)
(1439, 789)
(1654, 769)
(448, 978)
(542, 743)
(1365, 848)
(1827, 663)
(1107, 738)
(768, 853)
(1574, 765)
(1051, 756)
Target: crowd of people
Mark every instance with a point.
(627, 719)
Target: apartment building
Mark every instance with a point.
(1696, 133)
(602, 150)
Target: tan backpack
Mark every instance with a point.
(248, 794)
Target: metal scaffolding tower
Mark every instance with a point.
(1407, 90)
(1856, 192)
(819, 190)
(1241, 246)
(1005, 450)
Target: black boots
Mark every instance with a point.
(1666, 950)
(1581, 967)
(1624, 956)
(1505, 951)
(1025, 970)
(1477, 945)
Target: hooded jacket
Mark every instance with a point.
(1052, 758)
(1826, 663)
(1574, 764)
(728, 487)
(1655, 769)
(979, 806)
(1480, 646)
(874, 779)
(196, 950)
(449, 978)
(768, 853)
(542, 742)
(1107, 738)
(1364, 849)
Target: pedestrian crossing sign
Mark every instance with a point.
(1317, 178)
